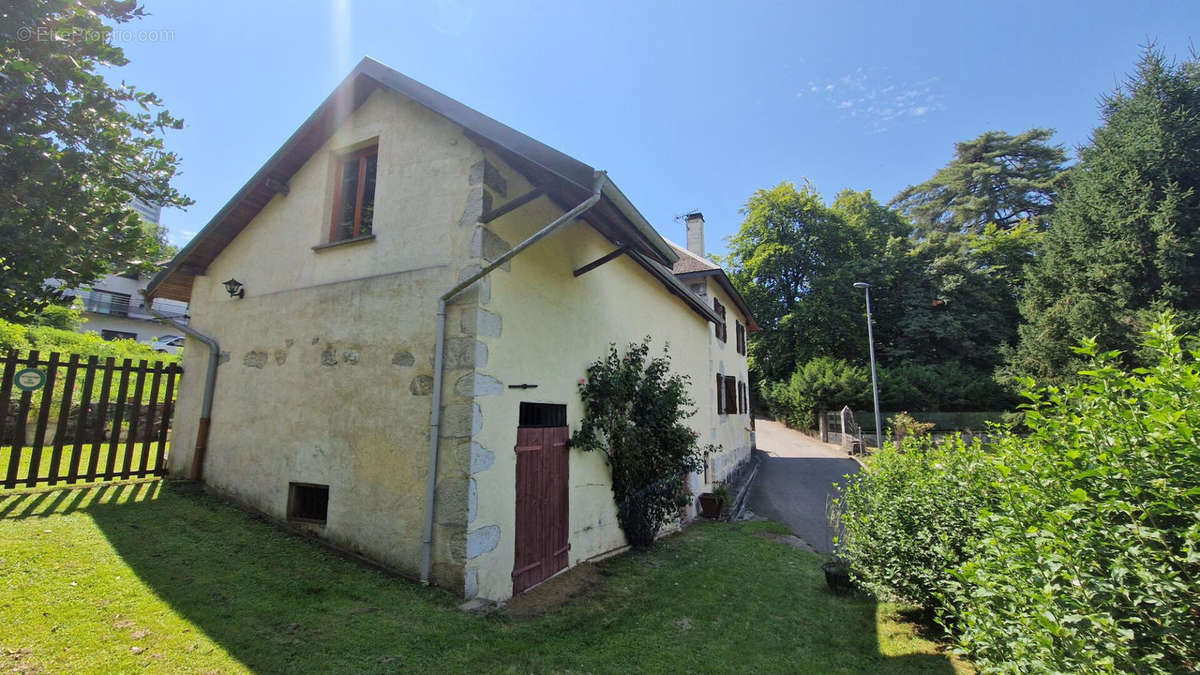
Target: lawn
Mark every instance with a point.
(85, 455)
(161, 576)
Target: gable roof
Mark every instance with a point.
(690, 262)
(565, 180)
(691, 266)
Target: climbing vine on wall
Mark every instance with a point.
(634, 413)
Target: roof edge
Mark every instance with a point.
(675, 286)
(372, 73)
(639, 222)
(727, 284)
(263, 172)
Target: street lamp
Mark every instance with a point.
(874, 377)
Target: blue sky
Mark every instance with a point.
(688, 105)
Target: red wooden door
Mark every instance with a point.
(542, 506)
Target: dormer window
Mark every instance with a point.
(354, 195)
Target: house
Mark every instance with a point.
(399, 235)
(115, 307)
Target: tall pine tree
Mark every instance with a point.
(995, 179)
(1126, 235)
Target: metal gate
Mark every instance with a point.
(542, 505)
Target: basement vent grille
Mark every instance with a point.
(308, 503)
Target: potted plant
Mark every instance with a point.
(711, 503)
(837, 576)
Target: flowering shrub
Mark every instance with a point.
(634, 413)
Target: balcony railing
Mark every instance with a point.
(106, 302)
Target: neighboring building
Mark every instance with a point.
(389, 196)
(115, 308)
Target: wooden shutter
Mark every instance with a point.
(722, 328)
(731, 394)
(720, 395)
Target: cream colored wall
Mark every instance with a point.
(553, 326)
(329, 357)
(730, 431)
(327, 361)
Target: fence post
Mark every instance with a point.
(823, 426)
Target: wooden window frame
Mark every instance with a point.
(723, 327)
(334, 218)
(741, 338)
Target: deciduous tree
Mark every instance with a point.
(74, 150)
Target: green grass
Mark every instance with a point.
(161, 576)
(64, 464)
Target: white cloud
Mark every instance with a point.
(878, 100)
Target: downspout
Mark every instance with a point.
(210, 382)
(601, 178)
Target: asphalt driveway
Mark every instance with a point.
(795, 481)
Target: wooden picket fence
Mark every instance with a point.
(92, 419)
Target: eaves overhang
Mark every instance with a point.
(565, 179)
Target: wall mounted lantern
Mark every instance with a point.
(235, 288)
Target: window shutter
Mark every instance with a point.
(720, 395)
(722, 330)
(731, 394)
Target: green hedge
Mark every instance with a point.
(820, 384)
(907, 520)
(1075, 548)
(47, 339)
(826, 383)
(942, 421)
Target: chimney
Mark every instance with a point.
(695, 232)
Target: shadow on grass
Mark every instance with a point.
(43, 502)
(715, 598)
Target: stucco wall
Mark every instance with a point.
(730, 431)
(550, 326)
(145, 331)
(328, 359)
